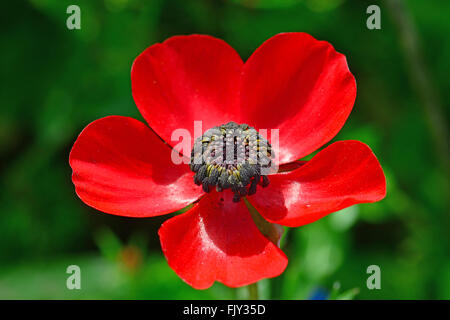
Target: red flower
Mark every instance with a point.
(293, 83)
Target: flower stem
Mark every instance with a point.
(253, 291)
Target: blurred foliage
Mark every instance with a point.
(56, 81)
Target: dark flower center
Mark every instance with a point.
(231, 156)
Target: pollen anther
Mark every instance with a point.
(231, 156)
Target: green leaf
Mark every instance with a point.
(271, 231)
(348, 295)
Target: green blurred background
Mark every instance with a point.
(55, 81)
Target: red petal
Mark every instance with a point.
(121, 167)
(217, 240)
(301, 86)
(343, 174)
(291, 166)
(184, 79)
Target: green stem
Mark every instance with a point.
(253, 291)
(422, 80)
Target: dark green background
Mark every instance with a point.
(55, 81)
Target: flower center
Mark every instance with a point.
(231, 156)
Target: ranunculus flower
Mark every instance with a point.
(293, 83)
